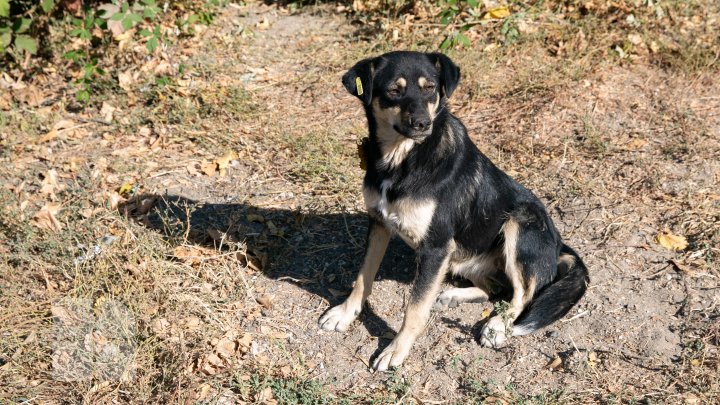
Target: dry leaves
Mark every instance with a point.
(59, 127)
(217, 165)
(265, 300)
(222, 353)
(555, 364)
(670, 241)
(496, 13)
(45, 218)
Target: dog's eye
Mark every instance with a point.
(429, 87)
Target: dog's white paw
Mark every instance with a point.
(339, 318)
(453, 297)
(394, 355)
(494, 333)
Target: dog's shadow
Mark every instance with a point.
(320, 253)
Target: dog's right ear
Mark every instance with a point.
(359, 80)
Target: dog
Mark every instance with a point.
(428, 183)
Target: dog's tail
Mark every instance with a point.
(555, 300)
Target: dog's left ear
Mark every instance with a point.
(359, 80)
(449, 72)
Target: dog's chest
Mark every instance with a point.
(408, 217)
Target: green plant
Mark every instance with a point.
(17, 26)
(453, 15)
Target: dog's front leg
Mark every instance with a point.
(341, 316)
(432, 267)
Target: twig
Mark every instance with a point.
(581, 314)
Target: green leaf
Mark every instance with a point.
(4, 8)
(465, 41)
(446, 43)
(72, 55)
(26, 43)
(145, 32)
(46, 5)
(472, 3)
(149, 2)
(125, 7)
(118, 16)
(83, 95)
(152, 44)
(5, 39)
(149, 13)
(76, 32)
(127, 24)
(21, 25)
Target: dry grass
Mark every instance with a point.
(223, 277)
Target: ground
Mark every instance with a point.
(220, 214)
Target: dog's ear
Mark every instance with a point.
(449, 72)
(359, 80)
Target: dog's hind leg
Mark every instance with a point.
(499, 327)
(433, 265)
(340, 317)
(456, 296)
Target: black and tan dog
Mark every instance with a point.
(428, 183)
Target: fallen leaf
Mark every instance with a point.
(107, 111)
(671, 241)
(28, 94)
(496, 13)
(265, 300)
(126, 80)
(49, 183)
(592, 359)
(114, 199)
(264, 24)
(224, 161)
(203, 392)
(126, 188)
(494, 400)
(554, 364)
(681, 267)
(245, 342)
(226, 348)
(266, 397)
(45, 218)
(209, 168)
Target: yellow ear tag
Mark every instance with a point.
(358, 84)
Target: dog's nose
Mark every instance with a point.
(420, 124)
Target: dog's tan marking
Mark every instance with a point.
(417, 314)
(341, 316)
(432, 107)
(401, 82)
(476, 268)
(422, 81)
(409, 218)
(394, 147)
(565, 263)
(513, 269)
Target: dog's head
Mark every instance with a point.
(404, 90)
